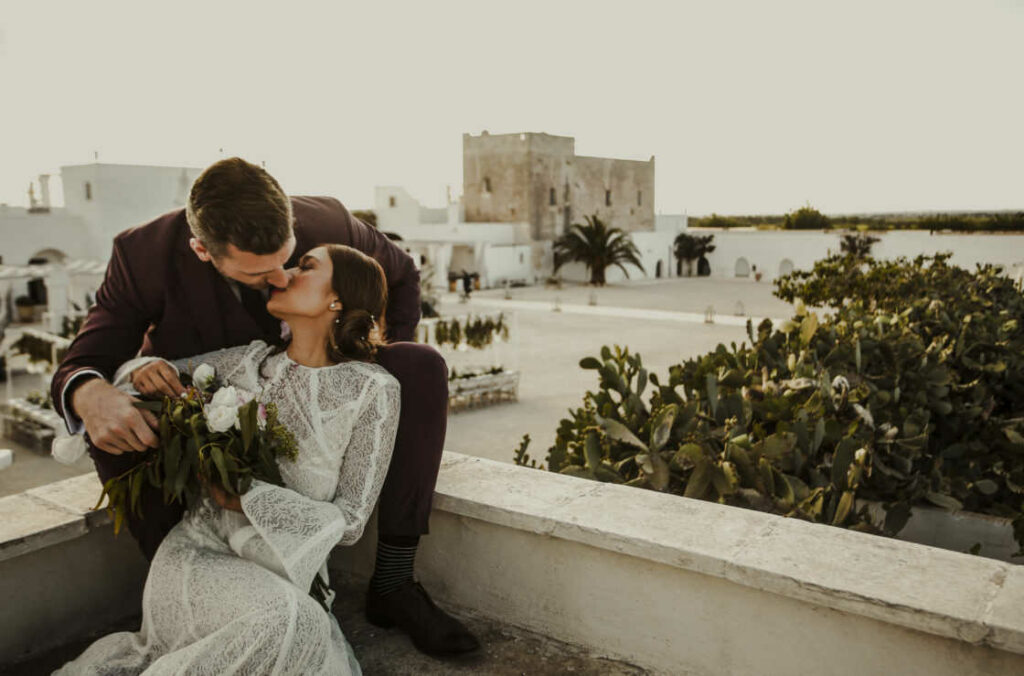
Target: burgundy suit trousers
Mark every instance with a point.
(407, 496)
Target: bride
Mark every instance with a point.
(228, 589)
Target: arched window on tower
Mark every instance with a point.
(607, 198)
(88, 190)
(551, 197)
(487, 184)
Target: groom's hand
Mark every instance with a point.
(113, 423)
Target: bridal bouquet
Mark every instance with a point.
(211, 433)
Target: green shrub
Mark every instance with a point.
(806, 218)
(910, 396)
(716, 221)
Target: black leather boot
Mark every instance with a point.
(432, 630)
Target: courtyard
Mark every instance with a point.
(662, 320)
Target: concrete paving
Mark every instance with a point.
(30, 468)
(663, 320)
(680, 294)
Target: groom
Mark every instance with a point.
(196, 280)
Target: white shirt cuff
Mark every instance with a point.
(73, 422)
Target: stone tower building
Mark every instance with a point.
(539, 179)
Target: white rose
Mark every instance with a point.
(221, 418)
(203, 376)
(225, 396)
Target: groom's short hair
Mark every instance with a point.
(236, 202)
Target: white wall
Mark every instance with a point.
(513, 263)
(771, 249)
(24, 234)
(653, 246)
(122, 196)
(465, 233)
(404, 213)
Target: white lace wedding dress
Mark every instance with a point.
(228, 592)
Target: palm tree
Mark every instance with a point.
(690, 248)
(598, 247)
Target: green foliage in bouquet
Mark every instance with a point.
(190, 453)
(913, 395)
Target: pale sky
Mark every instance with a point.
(749, 107)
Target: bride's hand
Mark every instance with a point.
(155, 378)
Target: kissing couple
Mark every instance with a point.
(296, 299)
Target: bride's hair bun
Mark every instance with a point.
(355, 335)
(359, 282)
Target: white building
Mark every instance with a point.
(500, 252)
(656, 249)
(441, 240)
(738, 251)
(100, 200)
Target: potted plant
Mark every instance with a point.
(26, 309)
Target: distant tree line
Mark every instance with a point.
(809, 218)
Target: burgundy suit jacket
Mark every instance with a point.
(158, 298)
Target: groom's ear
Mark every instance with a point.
(201, 251)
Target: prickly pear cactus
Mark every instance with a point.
(907, 397)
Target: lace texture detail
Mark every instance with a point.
(228, 592)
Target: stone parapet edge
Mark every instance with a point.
(936, 591)
(940, 592)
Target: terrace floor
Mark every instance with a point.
(506, 651)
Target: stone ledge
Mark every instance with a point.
(77, 495)
(28, 524)
(940, 592)
(48, 515)
(935, 591)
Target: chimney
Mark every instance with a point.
(44, 191)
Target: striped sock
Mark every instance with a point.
(395, 559)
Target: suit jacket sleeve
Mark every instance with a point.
(403, 313)
(114, 328)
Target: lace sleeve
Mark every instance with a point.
(225, 362)
(293, 534)
(368, 456)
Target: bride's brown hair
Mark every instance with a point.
(358, 330)
(361, 286)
